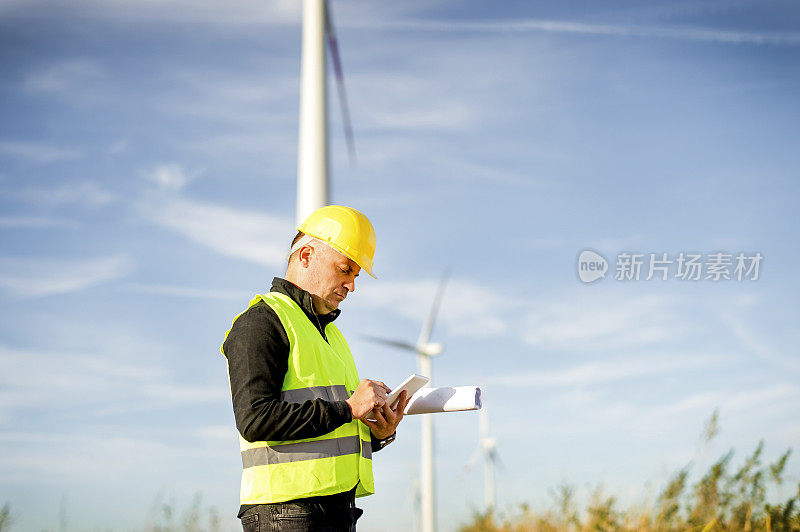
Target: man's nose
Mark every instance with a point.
(351, 285)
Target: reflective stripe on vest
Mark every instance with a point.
(278, 471)
(337, 392)
(307, 450)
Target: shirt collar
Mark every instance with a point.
(303, 300)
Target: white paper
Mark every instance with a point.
(446, 399)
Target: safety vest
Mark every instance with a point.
(278, 471)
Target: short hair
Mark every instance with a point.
(296, 238)
(294, 241)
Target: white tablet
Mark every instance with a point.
(411, 385)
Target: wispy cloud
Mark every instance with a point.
(611, 244)
(666, 417)
(65, 76)
(86, 193)
(170, 176)
(610, 370)
(755, 344)
(118, 147)
(450, 116)
(207, 12)
(108, 382)
(228, 96)
(365, 15)
(602, 322)
(393, 101)
(36, 222)
(185, 291)
(58, 458)
(154, 396)
(560, 26)
(29, 277)
(233, 113)
(459, 169)
(42, 379)
(28, 454)
(468, 308)
(238, 233)
(237, 12)
(38, 152)
(247, 146)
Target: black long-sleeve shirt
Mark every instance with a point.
(257, 350)
(258, 358)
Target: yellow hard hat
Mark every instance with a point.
(346, 230)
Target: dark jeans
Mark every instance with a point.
(300, 515)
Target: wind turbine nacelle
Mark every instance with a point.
(431, 349)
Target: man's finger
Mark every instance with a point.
(388, 413)
(377, 389)
(378, 414)
(402, 402)
(384, 386)
(401, 405)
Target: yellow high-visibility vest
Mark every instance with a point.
(278, 471)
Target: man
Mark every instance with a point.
(307, 425)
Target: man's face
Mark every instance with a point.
(331, 277)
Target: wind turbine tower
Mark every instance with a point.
(425, 350)
(312, 152)
(487, 447)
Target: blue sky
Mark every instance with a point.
(147, 190)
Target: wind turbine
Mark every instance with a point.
(312, 153)
(414, 498)
(487, 446)
(425, 350)
(312, 193)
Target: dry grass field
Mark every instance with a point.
(727, 497)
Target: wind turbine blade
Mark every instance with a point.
(339, 74)
(394, 343)
(472, 460)
(427, 328)
(495, 457)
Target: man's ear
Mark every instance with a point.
(304, 255)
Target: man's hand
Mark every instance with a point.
(386, 419)
(369, 400)
(369, 394)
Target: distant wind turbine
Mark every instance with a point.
(414, 499)
(487, 447)
(425, 350)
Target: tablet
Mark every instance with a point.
(411, 385)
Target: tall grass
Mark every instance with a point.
(5, 517)
(163, 517)
(724, 499)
